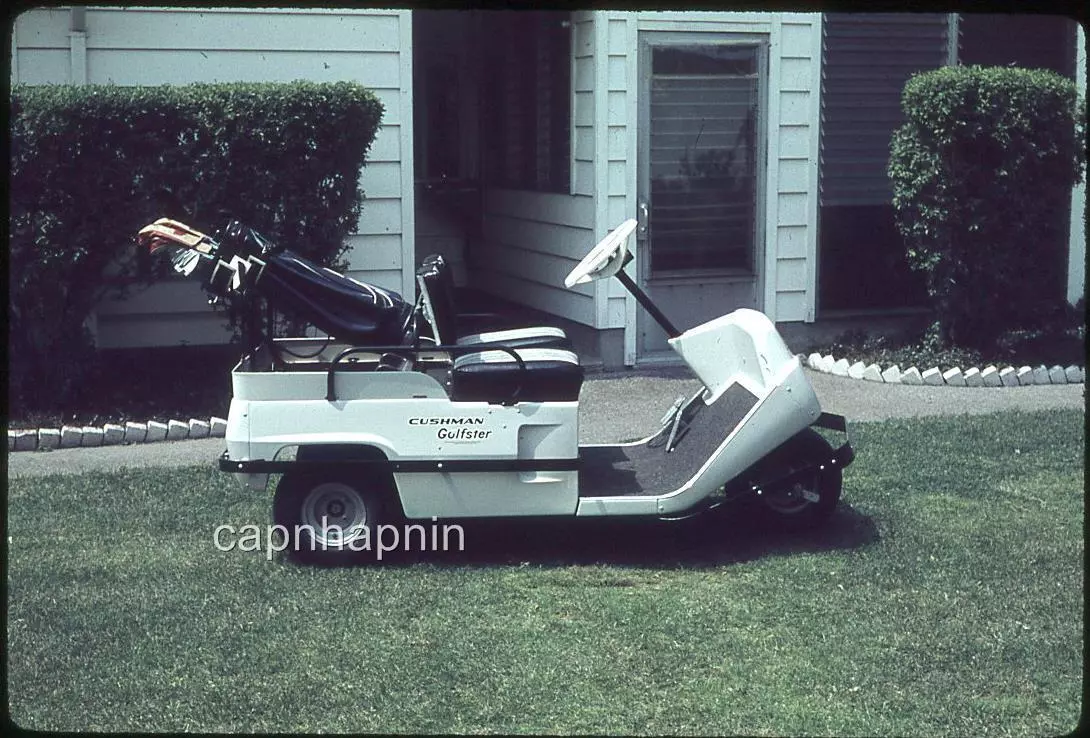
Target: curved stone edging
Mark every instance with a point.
(111, 434)
(989, 376)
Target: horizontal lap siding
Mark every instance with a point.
(40, 53)
(252, 30)
(868, 57)
(583, 104)
(618, 77)
(791, 229)
(164, 66)
(149, 46)
(531, 241)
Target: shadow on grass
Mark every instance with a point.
(708, 540)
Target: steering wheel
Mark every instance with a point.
(605, 259)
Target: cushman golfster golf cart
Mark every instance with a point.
(392, 413)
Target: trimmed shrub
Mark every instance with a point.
(982, 173)
(91, 165)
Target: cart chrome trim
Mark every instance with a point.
(403, 466)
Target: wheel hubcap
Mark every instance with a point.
(792, 499)
(337, 514)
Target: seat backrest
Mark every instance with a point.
(546, 375)
(437, 284)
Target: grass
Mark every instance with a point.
(944, 598)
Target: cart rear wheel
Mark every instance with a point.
(809, 496)
(328, 519)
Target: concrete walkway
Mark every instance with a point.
(621, 406)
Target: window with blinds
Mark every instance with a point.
(867, 58)
(703, 154)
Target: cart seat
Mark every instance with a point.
(536, 337)
(437, 285)
(546, 375)
(344, 308)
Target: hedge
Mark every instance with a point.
(982, 173)
(91, 165)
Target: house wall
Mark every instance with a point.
(154, 46)
(1076, 255)
(531, 241)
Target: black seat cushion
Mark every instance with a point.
(547, 375)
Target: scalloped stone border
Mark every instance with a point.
(989, 376)
(111, 434)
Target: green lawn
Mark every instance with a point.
(945, 598)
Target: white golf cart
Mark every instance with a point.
(436, 426)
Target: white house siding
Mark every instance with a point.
(607, 133)
(617, 139)
(154, 46)
(531, 241)
(1076, 254)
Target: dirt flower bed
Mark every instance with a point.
(1064, 346)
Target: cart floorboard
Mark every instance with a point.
(646, 468)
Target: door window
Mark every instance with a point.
(703, 158)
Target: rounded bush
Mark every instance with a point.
(982, 173)
(90, 165)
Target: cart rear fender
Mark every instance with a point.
(322, 447)
(312, 453)
(338, 452)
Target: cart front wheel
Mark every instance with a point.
(808, 496)
(328, 520)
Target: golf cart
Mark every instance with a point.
(401, 416)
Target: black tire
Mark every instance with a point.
(330, 520)
(782, 505)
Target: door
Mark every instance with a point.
(701, 167)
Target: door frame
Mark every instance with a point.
(646, 41)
